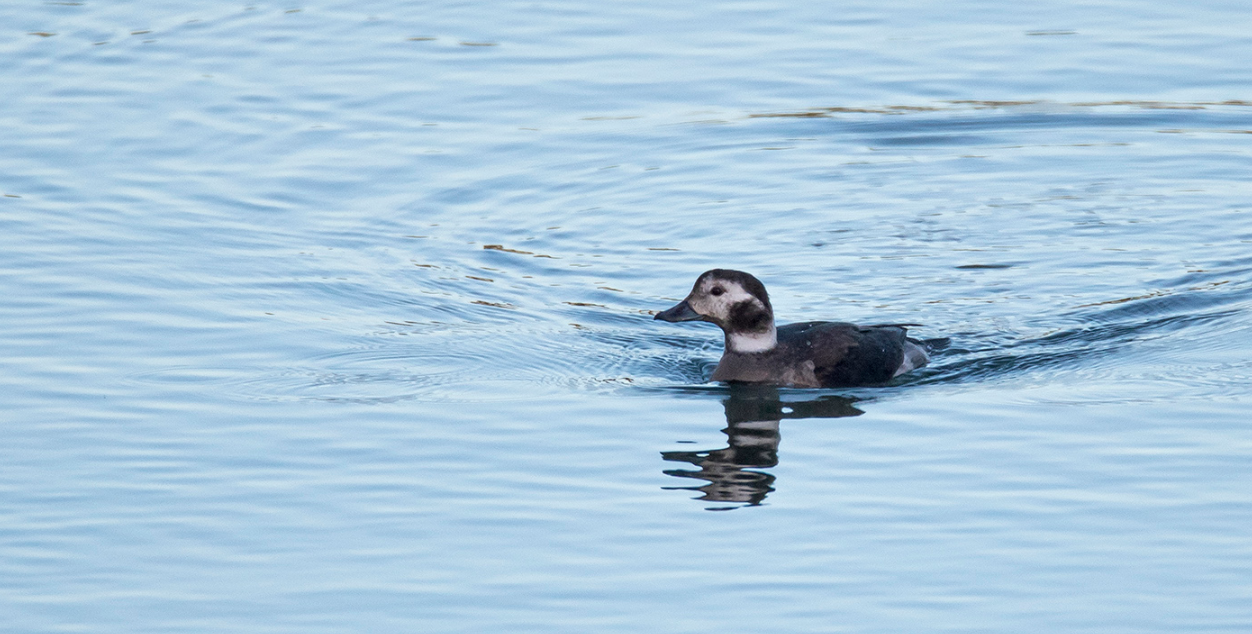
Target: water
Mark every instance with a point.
(336, 317)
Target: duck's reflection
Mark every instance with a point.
(753, 414)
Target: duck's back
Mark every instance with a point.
(846, 355)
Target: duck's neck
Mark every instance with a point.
(749, 342)
(750, 327)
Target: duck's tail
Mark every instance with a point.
(932, 345)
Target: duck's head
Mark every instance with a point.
(736, 302)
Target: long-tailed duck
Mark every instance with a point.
(808, 354)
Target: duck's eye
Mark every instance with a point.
(717, 290)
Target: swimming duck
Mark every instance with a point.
(808, 354)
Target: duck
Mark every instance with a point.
(811, 354)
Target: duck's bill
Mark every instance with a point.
(681, 312)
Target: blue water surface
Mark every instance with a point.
(336, 317)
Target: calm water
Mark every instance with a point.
(337, 317)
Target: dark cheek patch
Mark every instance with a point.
(748, 317)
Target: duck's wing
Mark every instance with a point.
(846, 355)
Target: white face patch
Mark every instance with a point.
(708, 302)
